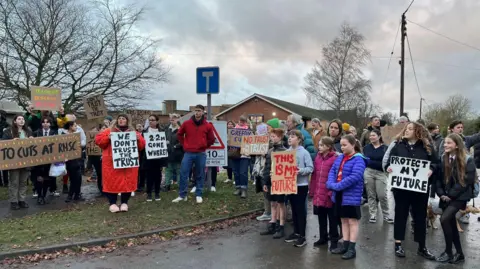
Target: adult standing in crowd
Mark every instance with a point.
(335, 132)
(153, 167)
(317, 132)
(229, 167)
(17, 187)
(434, 130)
(96, 162)
(294, 122)
(195, 135)
(412, 143)
(115, 181)
(175, 152)
(374, 125)
(241, 164)
(3, 126)
(74, 169)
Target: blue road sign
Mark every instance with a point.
(208, 80)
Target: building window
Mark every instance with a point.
(255, 118)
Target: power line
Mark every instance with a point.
(413, 66)
(444, 36)
(391, 53)
(409, 6)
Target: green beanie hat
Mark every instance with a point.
(274, 123)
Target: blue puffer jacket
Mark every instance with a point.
(307, 141)
(352, 179)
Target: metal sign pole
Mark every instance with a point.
(208, 179)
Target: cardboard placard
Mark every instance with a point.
(254, 145)
(284, 172)
(235, 137)
(45, 98)
(92, 148)
(409, 174)
(156, 145)
(389, 132)
(124, 150)
(262, 129)
(21, 153)
(95, 107)
(138, 116)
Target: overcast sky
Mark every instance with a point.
(268, 46)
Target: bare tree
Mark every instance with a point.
(85, 49)
(456, 107)
(338, 82)
(389, 118)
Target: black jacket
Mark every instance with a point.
(476, 155)
(42, 170)
(453, 189)
(8, 135)
(3, 125)
(175, 149)
(155, 164)
(35, 120)
(266, 177)
(416, 151)
(437, 139)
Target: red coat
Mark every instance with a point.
(116, 180)
(196, 138)
(318, 184)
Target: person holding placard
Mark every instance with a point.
(175, 152)
(17, 187)
(153, 167)
(412, 143)
(121, 180)
(230, 125)
(299, 200)
(74, 170)
(455, 189)
(345, 179)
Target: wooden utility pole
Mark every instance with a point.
(402, 63)
(421, 103)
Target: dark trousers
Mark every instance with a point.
(141, 179)
(4, 176)
(97, 165)
(418, 202)
(112, 197)
(75, 173)
(329, 230)
(214, 176)
(299, 212)
(42, 186)
(229, 173)
(449, 226)
(154, 178)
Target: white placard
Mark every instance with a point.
(155, 145)
(217, 154)
(124, 150)
(409, 174)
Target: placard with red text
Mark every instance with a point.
(284, 172)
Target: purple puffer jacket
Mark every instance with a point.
(352, 179)
(321, 195)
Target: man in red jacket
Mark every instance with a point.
(195, 135)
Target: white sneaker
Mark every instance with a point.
(179, 199)
(199, 200)
(227, 180)
(56, 194)
(213, 189)
(35, 195)
(133, 193)
(194, 189)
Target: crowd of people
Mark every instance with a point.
(337, 168)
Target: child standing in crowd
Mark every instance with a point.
(278, 209)
(375, 178)
(115, 181)
(412, 143)
(153, 167)
(17, 187)
(175, 152)
(241, 166)
(346, 181)
(322, 197)
(298, 201)
(455, 188)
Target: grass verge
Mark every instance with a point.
(91, 221)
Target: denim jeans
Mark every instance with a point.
(240, 172)
(190, 158)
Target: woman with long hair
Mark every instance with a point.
(229, 167)
(455, 188)
(412, 143)
(74, 169)
(335, 131)
(175, 152)
(115, 181)
(17, 187)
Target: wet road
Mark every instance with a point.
(242, 247)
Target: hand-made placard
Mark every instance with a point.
(254, 145)
(95, 107)
(21, 153)
(44, 98)
(409, 174)
(124, 150)
(155, 145)
(92, 148)
(284, 172)
(234, 138)
(389, 132)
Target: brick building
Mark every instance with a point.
(260, 108)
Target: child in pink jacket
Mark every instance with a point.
(322, 202)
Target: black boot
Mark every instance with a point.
(279, 233)
(23, 204)
(351, 252)
(341, 249)
(333, 245)
(270, 229)
(320, 242)
(14, 206)
(65, 189)
(457, 258)
(424, 252)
